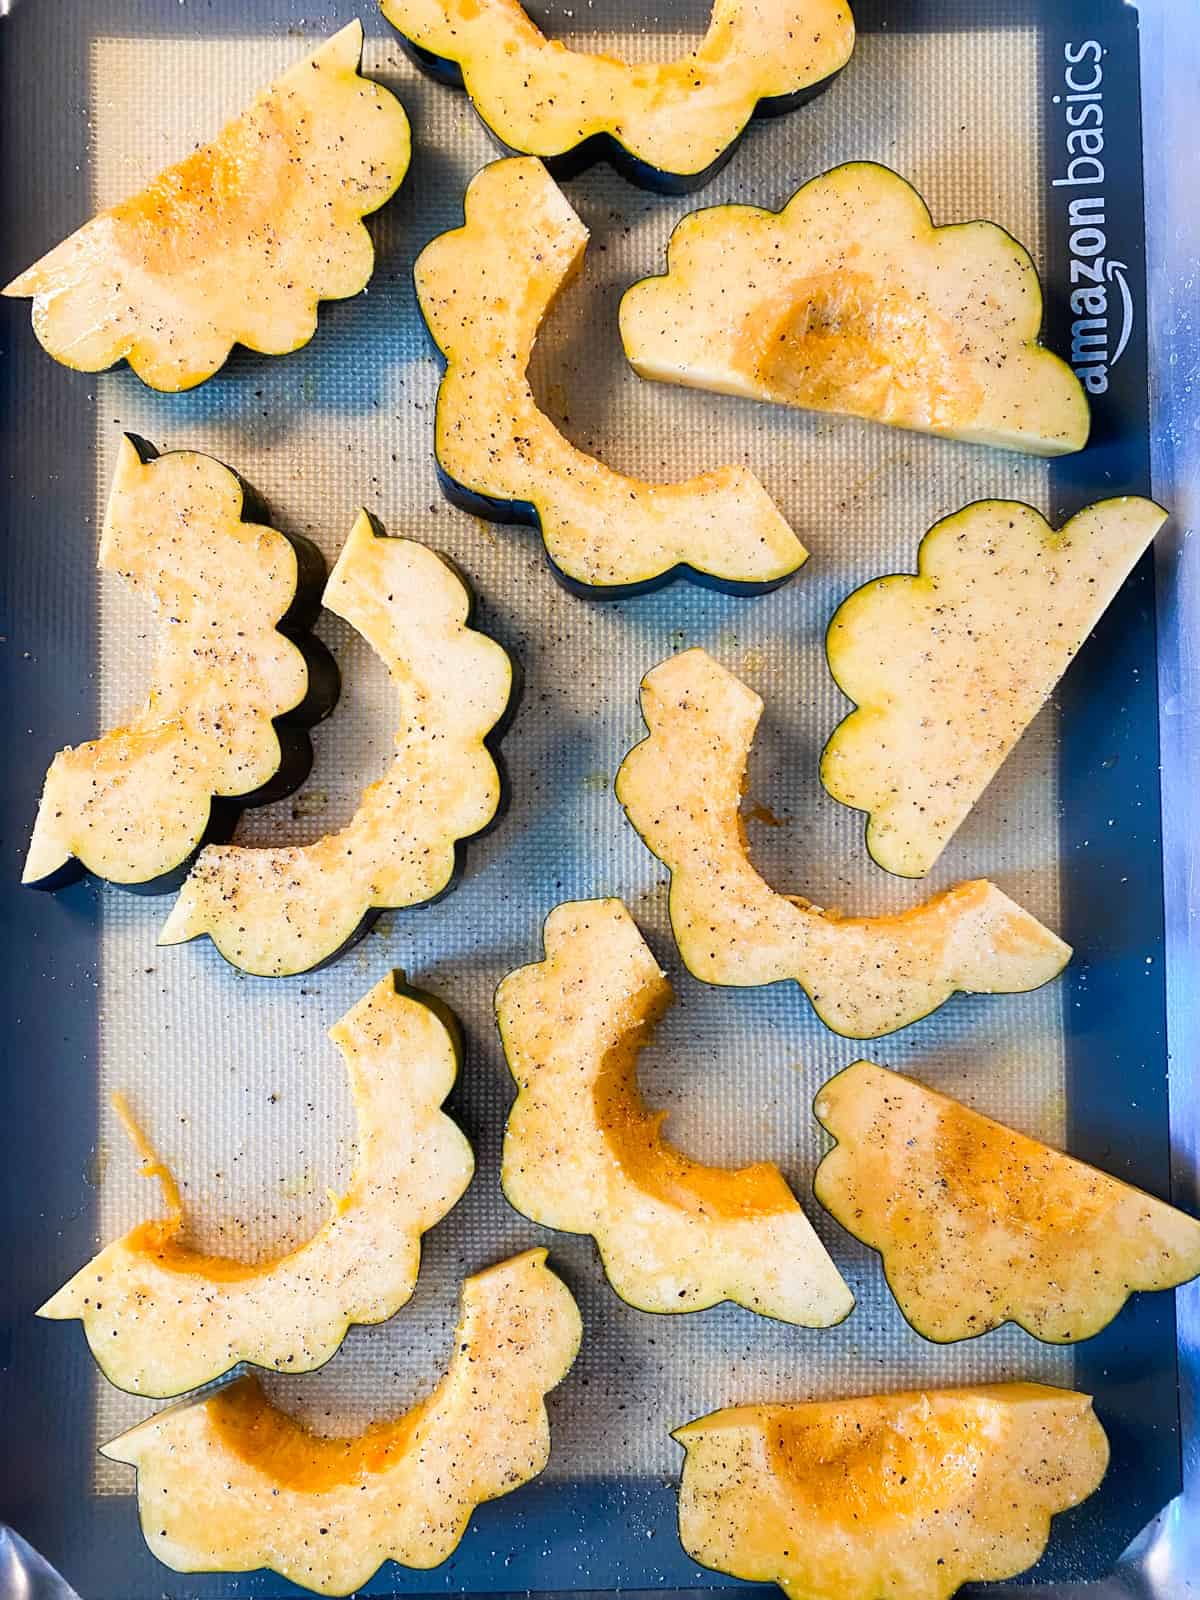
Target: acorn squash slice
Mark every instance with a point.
(979, 1225)
(228, 1483)
(285, 909)
(235, 684)
(948, 668)
(887, 1497)
(161, 1317)
(669, 126)
(850, 300)
(238, 242)
(484, 289)
(583, 1152)
(865, 976)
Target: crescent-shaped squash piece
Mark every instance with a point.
(228, 1483)
(948, 668)
(236, 681)
(584, 1153)
(887, 1497)
(238, 242)
(681, 789)
(484, 289)
(161, 1317)
(288, 908)
(850, 300)
(668, 125)
(978, 1224)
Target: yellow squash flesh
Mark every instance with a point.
(948, 668)
(285, 909)
(161, 1317)
(238, 242)
(584, 1153)
(133, 804)
(865, 976)
(850, 300)
(484, 290)
(888, 1497)
(228, 1483)
(978, 1224)
(677, 117)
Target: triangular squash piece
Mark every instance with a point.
(850, 300)
(949, 667)
(162, 1317)
(288, 908)
(484, 289)
(236, 243)
(865, 976)
(887, 1497)
(228, 1483)
(583, 1152)
(668, 125)
(978, 1224)
(236, 681)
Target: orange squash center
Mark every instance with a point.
(1015, 1179)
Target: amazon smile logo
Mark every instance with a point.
(1101, 300)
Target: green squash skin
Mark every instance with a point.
(295, 746)
(607, 147)
(653, 1311)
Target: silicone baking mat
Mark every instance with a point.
(233, 1077)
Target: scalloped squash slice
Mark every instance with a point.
(484, 289)
(238, 242)
(681, 789)
(236, 681)
(850, 300)
(978, 1224)
(668, 125)
(888, 1497)
(161, 1317)
(228, 1483)
(948, 668)
(288, 908)
(583, 1152)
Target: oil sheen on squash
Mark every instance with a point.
(978, 1224)
(584, 1153)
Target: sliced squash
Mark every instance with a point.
(236, 243)
(229, 1483)
(887, 1497)
(484, 289)
(162, 1317)
(850, 300)
(288, 908)
(978, 1224)
(865, 976)
(583, 1152)
(231, 693)
(669, 125)
(948, 668)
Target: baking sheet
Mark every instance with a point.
(233, 1077)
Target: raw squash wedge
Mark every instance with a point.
(669, 126)
(238, 242)
(484, 289)
(162, 1317)
(887, 1497)
(978, 1224)
(228, 1483)
(850, 300)
(948, 668)
(583, 1152)
(865, 976)
(235, 682)
(288, 908)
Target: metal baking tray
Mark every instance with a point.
(966, 98)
